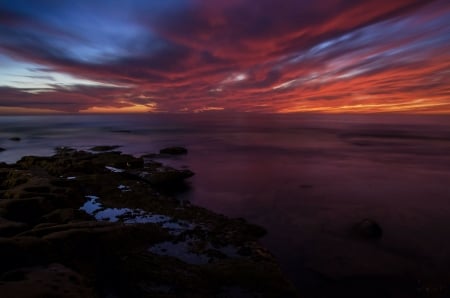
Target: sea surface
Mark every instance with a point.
(306, 178)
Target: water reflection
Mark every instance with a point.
(306, 178)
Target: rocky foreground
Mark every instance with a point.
(82, 224)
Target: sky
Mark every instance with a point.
(192, 56)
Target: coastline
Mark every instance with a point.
(306, 181)
(101, 224)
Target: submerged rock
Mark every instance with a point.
(174, 150)
(367, 229)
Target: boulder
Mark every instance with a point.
(367, 229)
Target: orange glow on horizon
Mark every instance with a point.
(413, 107)
(120, 110)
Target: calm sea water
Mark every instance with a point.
(306, 178)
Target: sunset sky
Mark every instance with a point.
(233, 55)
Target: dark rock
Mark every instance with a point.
(245, 251)
(151, 155)
(2, 149)
(27, 210)
(10, 228)
(153, 164)
(122, 131)
(15, 139)
(103, 148)
(41, 223)
(367, 229)
(15, 178)
(64, 150)
(168, 177)
(66, 215)
(174, 150)
(215, 254)
(54, 280)
(20, 251)
(116, 159)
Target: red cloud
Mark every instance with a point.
(329, 56)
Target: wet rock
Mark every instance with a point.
(168, 177)
(151, 155)
(367, 229)
(43, 221)
(118, 160)
(104, 148)
(15, 139)
(21, 251)
(2, 149)
(245, 251)
(9, 228)
(66, 215)
(174, 150)
(14, 178)
(64, 150)
(54, 280)
(153, 164)
(27, 210)
(215, 254)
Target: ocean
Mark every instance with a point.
(305, 178)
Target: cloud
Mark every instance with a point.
(234, 55)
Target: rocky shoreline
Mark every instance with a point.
(104, 224)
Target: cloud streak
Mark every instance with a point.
(192, 56)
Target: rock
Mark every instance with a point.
(15, 139)
(21, 251)
(27, 210)
(367, 229)
(9, 228)
(66, 215)
(2, 149)
(64, 150)
(14, 178)
(169, 177)
(50, 246)
(118, 160)
(104, 148)
(54, 280)
(245, 251)
(174, 150)
(151, 155)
